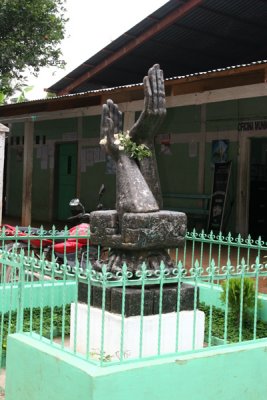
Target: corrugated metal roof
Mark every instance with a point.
(212, 35)
(139, 84)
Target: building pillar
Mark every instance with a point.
(27, 173)
(3, 131)
(202, 151)
(242, 187)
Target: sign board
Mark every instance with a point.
(221, 178)
(258, 125)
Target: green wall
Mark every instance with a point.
(252, 108)
(37, 294)
(175, 168)
(96, 174)
(228, 373)
(91, 126)
(14, 190)
(178, 171)
(91, 181)
(55, 129)
(40, 190)
(222, 116)
(184, 119)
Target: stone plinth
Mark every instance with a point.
(132, 304)
(190, 332)
(162, 229)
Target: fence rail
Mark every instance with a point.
(111, 318)
(72, 246)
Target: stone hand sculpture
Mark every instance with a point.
(138, 186)
(138, 230)
(148, 124)
(146, 127)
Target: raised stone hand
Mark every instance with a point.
(147, 125)
(111, 124)
(132, 191)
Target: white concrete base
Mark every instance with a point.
(132, 335)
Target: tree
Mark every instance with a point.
(30, 35)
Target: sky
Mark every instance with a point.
(92, 25)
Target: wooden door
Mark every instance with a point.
(258, 189)
(66, 178)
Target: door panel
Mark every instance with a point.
(258, 189)
(66, 178)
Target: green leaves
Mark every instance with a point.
(131, 148)
(51, 319)
(2, 97)
(30, 35)
(22, 94)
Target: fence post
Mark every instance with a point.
(3, 131)
(21, 284)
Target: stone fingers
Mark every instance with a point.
(152, 74)
(148, 100)
(111, 124)
(108, 130)
(161, 93)
(103, 125)
(110, 135)
(115, 115)
(155, 83)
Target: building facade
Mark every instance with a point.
(53, 156)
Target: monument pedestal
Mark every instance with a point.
(136, 336)
(133, 298)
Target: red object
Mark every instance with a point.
(12, 231)
(79, 230)
(67, 247)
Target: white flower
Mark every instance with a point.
(103, 141)
(121, 147)
(117, 142)
(116, 136)
(127, 135)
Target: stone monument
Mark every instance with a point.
(138, 230)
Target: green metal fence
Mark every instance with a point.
(111, 318)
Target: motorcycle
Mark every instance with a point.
(66, 247)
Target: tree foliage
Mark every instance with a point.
(30, 35)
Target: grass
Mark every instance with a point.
(233, 325)
(51, 322)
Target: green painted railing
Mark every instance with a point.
(117, 318)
